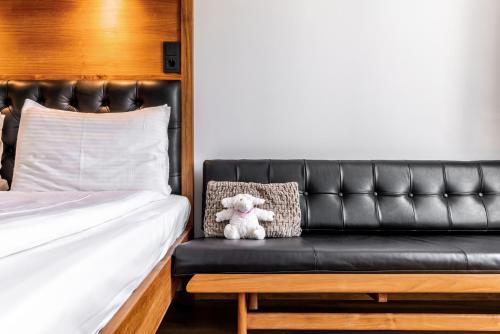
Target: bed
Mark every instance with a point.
(109, 270)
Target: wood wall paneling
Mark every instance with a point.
(187, 101)
(91, 39)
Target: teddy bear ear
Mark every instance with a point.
(257, 201)
(227, 202)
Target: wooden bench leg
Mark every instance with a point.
(242, 313)
(253, 301)
(379, 297)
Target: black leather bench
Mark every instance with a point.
(343, 253)
(440, 220)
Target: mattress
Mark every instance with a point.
(68, 261)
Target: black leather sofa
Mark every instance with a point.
(365, 217)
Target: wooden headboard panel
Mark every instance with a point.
(101, 40)
(91, 38)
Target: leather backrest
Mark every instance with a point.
(380, 195)
(91, 96)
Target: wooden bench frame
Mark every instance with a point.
(377, 285)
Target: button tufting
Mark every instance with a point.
(410, 194)
(445, 195)
(341, 194)
(306, 193)
(375, 193)
(480, 194)
(89, 96)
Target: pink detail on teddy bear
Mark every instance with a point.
(244, 214)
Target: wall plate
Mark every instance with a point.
(171, 57)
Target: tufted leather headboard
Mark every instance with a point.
(91, 96)
(380, 195)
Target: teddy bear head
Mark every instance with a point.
(241, 202)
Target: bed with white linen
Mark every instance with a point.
(72, 278)
(98, 202)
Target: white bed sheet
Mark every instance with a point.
(29, 219)
(75, 282)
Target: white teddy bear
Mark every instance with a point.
(243, 217)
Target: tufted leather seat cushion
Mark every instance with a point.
(366, 253)
(365, 216)
(91, 96)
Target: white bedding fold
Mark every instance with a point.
(30, 219)
(76, 283)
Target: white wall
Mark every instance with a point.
(347, 79)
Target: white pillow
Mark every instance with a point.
(63, 151)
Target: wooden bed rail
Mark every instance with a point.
(144, 310)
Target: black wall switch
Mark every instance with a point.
(171, 57)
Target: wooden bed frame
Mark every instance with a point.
(376, 285)
(145, 308)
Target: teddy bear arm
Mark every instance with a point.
(225, 214)
(264, 215)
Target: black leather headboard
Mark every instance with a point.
(91, 96)
(380, 195)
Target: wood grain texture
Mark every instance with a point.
(74, 39)
(253, 301)
(374, 321)
(139, 77)
(145, 308)
(345, 283)
(242, 313)
(187, 101)
(321, 297)
(219, 316)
